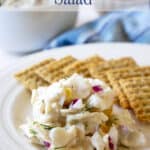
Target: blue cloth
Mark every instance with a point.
(126, 26)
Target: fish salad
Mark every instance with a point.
(78, 113)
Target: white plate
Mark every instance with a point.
(14, 100)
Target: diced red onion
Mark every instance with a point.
(74, 101)
(47, 144)
(97, 88)
(110, 143)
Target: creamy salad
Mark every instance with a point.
(77, 113)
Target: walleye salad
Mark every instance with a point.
(78, 113)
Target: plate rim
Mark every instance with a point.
(73, 47)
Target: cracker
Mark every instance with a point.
(115, 75)
(137, 90)
(82, 66)
(34, 81)
(94, 59)
(99, 70)
(79, 67)
(53, 72)
(28, 77)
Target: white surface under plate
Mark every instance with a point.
(14, 100)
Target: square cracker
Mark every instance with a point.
(53, 72)
(82, 66)
(28, 77)
(115, 75)
(79, 67)
(34, 81)
(99, 70)
(94, 59)
(137, 91)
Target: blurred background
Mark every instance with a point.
(27, 27)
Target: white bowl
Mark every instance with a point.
(24, 31)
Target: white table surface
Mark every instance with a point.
(7, 59)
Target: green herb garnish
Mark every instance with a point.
(33, 132)
(59, 147)
(46, 127)
(35, 122)
(87, 108)
(124, 147)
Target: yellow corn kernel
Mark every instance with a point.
(69, 95)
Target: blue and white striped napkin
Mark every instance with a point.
(119, 26)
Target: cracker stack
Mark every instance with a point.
(82, 66)
(126, 73)
(50, 70)
(28, 77)
(137, 90)
(54, 72)
(100, 70)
